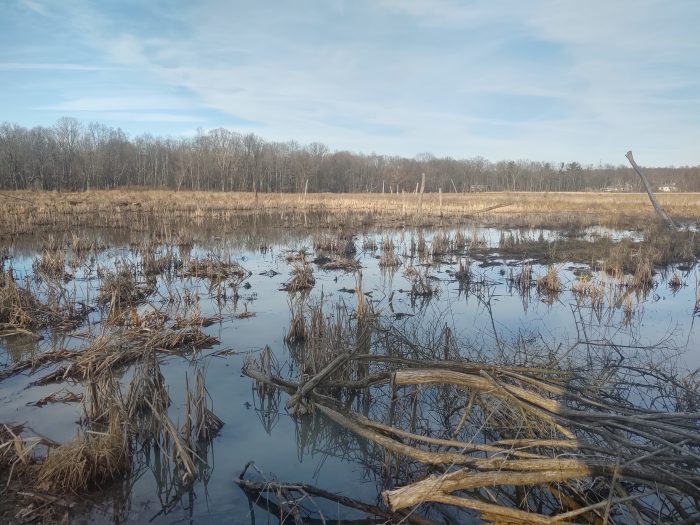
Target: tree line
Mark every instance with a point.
(72, 156)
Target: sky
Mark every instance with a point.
(549, 80)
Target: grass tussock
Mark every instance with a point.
(18, 306)
(389, 257)
(344, 264)
(51, 263)
(550, 283)
(464, 274)
(217, 269)
(420, 282)
(120, 288)
(91, 460)
(302, 278)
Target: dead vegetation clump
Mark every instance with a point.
(114, 348)
(464, 272)
(18, 453)
(347, 265)
(154, 265)
(523, 281)
(369, 244)
(51, 263)
(302, 278)
(389, 258)
(327, 243)
(91, 460)
(29, 306)
(460, 242)
(643, 278)
(18, 305)
(120, 288)
(113, 428)
(441, 244)
(676, 281)
(420, 282)
(550, 283)
(206, 424)
(217, 270)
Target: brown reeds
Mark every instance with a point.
(550, 283)
(344, 264)
(389, 258)
(421, 285)
(120, 288)
(92, 459)
(216, 269)
(48, 211)
(302, 278)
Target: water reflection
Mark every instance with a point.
(471, 284)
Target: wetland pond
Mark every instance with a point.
(193, 308)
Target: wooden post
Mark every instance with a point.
(659, 209)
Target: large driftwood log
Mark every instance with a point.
(659, 209)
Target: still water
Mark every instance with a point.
(489, 313)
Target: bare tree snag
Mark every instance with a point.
(659, 209)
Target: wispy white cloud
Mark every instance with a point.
(19, 66)
(537, 79)
(141, 102)
(36, 7)
(145, 116)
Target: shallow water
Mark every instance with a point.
(487, 314)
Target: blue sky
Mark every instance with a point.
(542, 80)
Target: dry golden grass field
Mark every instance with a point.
(26, 211)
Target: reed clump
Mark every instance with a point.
(302, 278)
(19, 307)
(464, 273)
(550, 283)
(389, 258)
(154, 265)
(91, 460)
(420, 282)
(344, 264)
(676, 281)
(217, 269)
(120, 288)
(51, 263)
(441, 244)
(523, 280)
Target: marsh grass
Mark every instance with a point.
(464, 272)
(550, 285)
(48, 211)
(120, 287)
(420, 282)
(342, 263)
(302, 278)
(51, 263)
(18, 306)
(93, 459)
(389, 258)
(217, 269)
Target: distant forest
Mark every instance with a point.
(71, 156)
